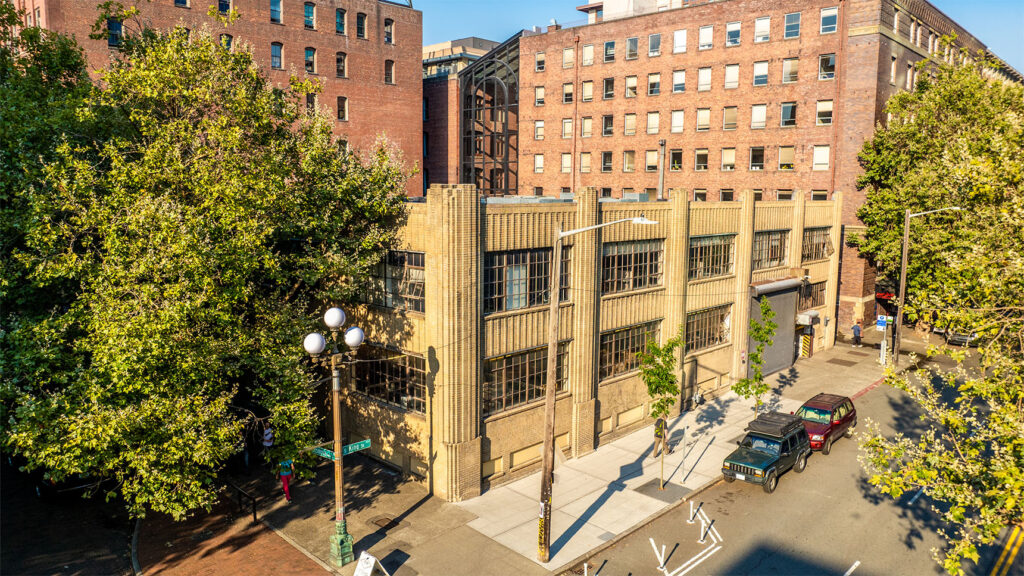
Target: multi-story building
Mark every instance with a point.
(365, 54)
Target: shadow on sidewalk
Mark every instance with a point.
(712, 414)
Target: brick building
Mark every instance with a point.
(365, 53)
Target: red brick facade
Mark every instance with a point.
(441, 130)
(375, 108)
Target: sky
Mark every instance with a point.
(997, 23)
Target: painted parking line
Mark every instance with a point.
(1010, 550)
(916, 496)
(852, 568)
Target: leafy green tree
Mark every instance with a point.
(956, 140)
(763, 332)
(658, 371)
(176, 250)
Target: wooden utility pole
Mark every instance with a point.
(554, 291)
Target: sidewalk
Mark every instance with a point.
(597, 498)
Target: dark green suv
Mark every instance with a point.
(774, 443)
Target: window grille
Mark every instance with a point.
(707, 328)
(711, 256)
(631, 265)
(519, 279)
(520, 378)
(619, 348)
(812, 295)
(395, 377)
(770, 249)
(817, 244)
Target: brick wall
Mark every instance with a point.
(441, 130)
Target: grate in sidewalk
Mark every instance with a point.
(385, 523)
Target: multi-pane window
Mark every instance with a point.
(770, 249)
(758, 116)
(389, 71)
(700, 159)
(586, 126)
(675, 160)
(820, 158)
(732, 34)
(402, 281)
(630, 86)
(792, 25)
(654, 84)
(757, 157)
(677, 121)
(309, 15)
(787, 157)
(705, 37)
(631, 265)
(609, 51)
(340, 59)
(587, 55)
(732, 75)
(339, 21)
(275, 11)
(703, 79)
(812, 295)
(115, 33)
(824, 113)
(310, 60)
(628, 160)
(790, 70)
(678, 81)
(389, 31)
(520, 378)
(817, 244)
(653, 120)
(679, 41)
(829, 20)
(728, 159)
(729, 118)
(629, 124)
(342, 108)
(651, 160)
(632, 48)
(539, 62)
(654, 45)
(788, 114)
(568, 57)
(395, 377)
(608, 88)
(619, 348)
(707, 328)
(567, 93)
(538, 95)
(762, 29)
(703, 119)
(275, 55)
(711, 256)
(360, 25)
(761, 73)
(585, 162)
(607, 125)
(606, 161)
(587, 91)
(826, 66)
(519, 279)
(566, 127)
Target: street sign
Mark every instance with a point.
(345, 450)
(880, 323)
(324, 453)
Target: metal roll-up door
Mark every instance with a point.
(782, 353)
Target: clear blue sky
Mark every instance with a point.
(998, 23)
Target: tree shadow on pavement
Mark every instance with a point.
(712, 414)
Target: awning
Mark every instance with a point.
(775, 286)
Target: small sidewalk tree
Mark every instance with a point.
(657, 369)
(762, 332)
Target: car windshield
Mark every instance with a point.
(760, 444)
(814, 414)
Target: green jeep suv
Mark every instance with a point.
(774, 443)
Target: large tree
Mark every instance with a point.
(956, 140)
(175, 244)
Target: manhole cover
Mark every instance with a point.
(842, 362)
(385, 522)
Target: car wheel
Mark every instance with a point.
(730, 479)
(827, 446)
(851, 429)
(770, 482)
(801, 463)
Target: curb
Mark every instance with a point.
(564, 569)
(136, 567)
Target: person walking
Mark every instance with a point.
(287, 467)
(659, 438)
(856, 334)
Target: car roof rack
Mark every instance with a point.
(775, 424)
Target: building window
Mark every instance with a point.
(788, 114)
(115, 33)
(609, 88)
(310, 60)
(758, 195)
(606, 162)
(762, 29)
(758, 116)
(339, 21)
(677, 121)
(786, 158)
(700, 159)
(707, 328)
(609, 51)
(585, 162)
(539, 63)
(629, 124)
(361, 25)
(538, 190)
(821, 154)
(770, 249)
(700, 195)
(389, 71)
(631, 265)
(675, 160)
(394, 377)
(568, 57)
(654, 45)
(566, 162)
(790, 70)
(607, 125)
(728, 159)
(567, 93)
(817, 244)
(703, 119)
(223, 6)
(519, 279)
(703, 79)
(309, 15)
(389, 31)
(632, 48)
(785, 194)
(812, 295)
(630, 86)
(729, 118)
(654, 84)
(829, 20)
(538, 129)
(586, 127)
(275, 11)
(705, 37)
(340, 59)
(275, 55)
(619, 348)
(653, 120)
(225, 41)
(538, 96)
(538, 163)
(587, 59)
(757, 157)
(761, 73)
(401, 275)
(824, 113)
(566, 127)
(181, 3)
(725, 194)
(587, 89)
(310, 101)
(892, 71)
(792, 25)
(679, 41)
(819, 195)
(520, 378)
(826, 66)
(910, 76)
(711, 256)
(342, 108)
(606, 192)
(732, 76)
(651, 160)
(678, 81)
(628, 160)
(732, 34)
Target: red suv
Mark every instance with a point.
(827, 417)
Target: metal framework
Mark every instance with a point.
(488, 120)
(707, 328)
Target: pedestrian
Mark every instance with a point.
(268, 439)
(286, 474)
(659, 438)
(856, 334)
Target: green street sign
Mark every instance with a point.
(345, 450)
(324, 453)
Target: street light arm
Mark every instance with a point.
(936, 210)
(639, 220)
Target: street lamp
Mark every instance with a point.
(554, 291)
(315, 344)
(897, 332)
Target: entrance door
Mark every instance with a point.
(782, 353)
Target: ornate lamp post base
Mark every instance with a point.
(341, 545)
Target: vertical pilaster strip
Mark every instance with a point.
(677, 257)
(453, 312)
(831, 320)
(586, 301)
(744, 267)
(797, 231)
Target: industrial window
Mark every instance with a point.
(728, 159)
(703, 79)
(817, 244)
(275, 11)
(820, 159)
(824, 112)
(632, 48)
(732, 34)
(711, 256)
(654, 45)
(585, 162)
(675, 160)
(606, 161)
(568, 57)
(705, 37)
(309, 15)
(339, 21)
(519, 279)
(619, 348)
(707, 328)
(829, 20)
(607, 125)
(389, 71)
(538, 163)
(757, 157)
(678, 118)
(826, 66)
(586, 126)
(770, 249)
(700, 195)
(628, 160)
(566, 127)
(587, 89)
(679, 41)
(787, 156)
(389, 31)
(538, 129)
(653, 121)
(223, 6)
(631, 265)
(758, 116)
(651, 160)
(700, 159)
(629, 124)
(587, 57)
(567, 93)
(812, 295)
(725, 195)
(790, 70)
(361, 25)
(340, 60)
(275, 55)
(703, 119)
(402, 277)
(729, 118)
(395, 377)
(538, 96)
(342, 108)
(566, 162)
(792, 25)
(609, 88)
(762, 29)
(654, 84)
(630, 86)
(115, 33)
(788, 114)
(538, 62)
(520, 378)
(609, 51)
(678, 81)
(732, 75)
(761, 73)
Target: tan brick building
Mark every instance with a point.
(365, 53)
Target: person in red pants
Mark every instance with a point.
(287, 467)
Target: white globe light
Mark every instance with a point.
(314, 344)
(354, 337)
(334, 318)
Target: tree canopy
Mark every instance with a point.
(956, 140)
(176, 225)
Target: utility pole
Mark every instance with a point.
(896, 331)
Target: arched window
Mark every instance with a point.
(389, 71)
(275, 11)
(275, 55)
(310, 60)
(360, 25)
(342, 108)
(339, 21)
(339, 62)
(389, 31)
(309, 15)
(225, 41)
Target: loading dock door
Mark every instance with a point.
(782, 353)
